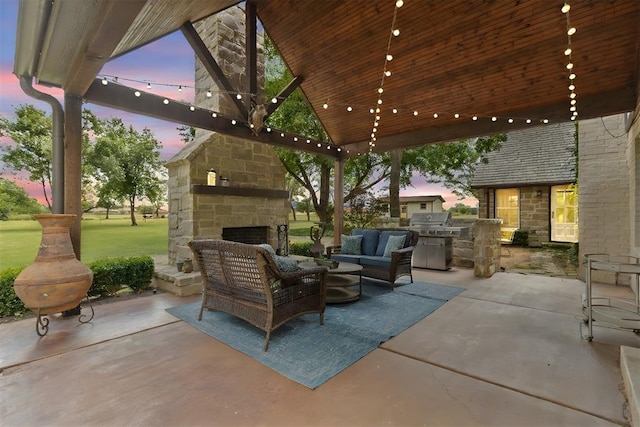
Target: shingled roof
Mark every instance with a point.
(535, 156)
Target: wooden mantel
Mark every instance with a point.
(240, 191)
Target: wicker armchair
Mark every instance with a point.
(244, 281)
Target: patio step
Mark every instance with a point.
(167, 278)
(630, 366)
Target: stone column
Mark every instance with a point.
(486, 247)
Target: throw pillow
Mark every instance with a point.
(393, 244)
(286, 264)
(351, 245)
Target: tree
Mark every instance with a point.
(31, 133)
(187, 133)
(15, 200)
(126, 163)
(452, 164)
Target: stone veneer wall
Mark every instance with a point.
(486, 247)
(246, 163)
(534, 211)
(607, 165)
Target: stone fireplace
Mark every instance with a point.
(256, 195)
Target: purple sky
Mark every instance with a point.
(168, 61)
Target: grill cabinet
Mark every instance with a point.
(435, 242)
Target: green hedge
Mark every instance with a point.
(300, 248)
(10, 304)
(109, 276)
(112, 274)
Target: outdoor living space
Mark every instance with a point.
(508, 350)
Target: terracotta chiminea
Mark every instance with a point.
(56, 281)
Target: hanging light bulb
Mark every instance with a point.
(456, 115)
(380, 90)
(233, 122)
(494, 118)
(389, 57)
(474, 118)
(274, 100)
(166, 101)
(565, 8)
(214, 115)
(105, 81)
(415, 113)
(435, 115)
(387, 73)
(148, 85)
(349, 108)
(571, 31)
(208, 94)
(192, 108)
(399, 3)
(528, 121)
(396, 32)
(137, 94)
(568, 51)
(394, 111)
(180, 88)
(325, 105)
(238, 96)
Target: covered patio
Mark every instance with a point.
(507, 351)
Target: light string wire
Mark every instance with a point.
(566, 7)
(394, 32)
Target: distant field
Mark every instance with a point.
(115, 237)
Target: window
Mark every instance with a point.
(507, 207)
(423, 206)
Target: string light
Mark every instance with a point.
(569, 52)
(394, 32)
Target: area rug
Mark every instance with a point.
(310, 353)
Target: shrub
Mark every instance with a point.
(300, 248)
(112, 274)
(520, 238)
(10, 304)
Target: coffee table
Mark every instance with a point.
(344, 283)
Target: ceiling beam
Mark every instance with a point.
(212, 67)
(251, 41)
(613, 102)
(284, 94)
(114, 95)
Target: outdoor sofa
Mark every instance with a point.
(384, 253)
(244, 281)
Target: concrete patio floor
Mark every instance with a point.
(508, 351)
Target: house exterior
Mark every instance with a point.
(420, 204)
(528, 184)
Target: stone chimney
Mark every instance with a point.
(256, 195)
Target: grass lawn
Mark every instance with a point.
(115, 237)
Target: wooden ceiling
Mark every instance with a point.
(501, 58)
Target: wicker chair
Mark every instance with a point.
(244, 281)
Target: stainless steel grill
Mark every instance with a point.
(435, 244)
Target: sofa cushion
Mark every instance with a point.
(351, 245)
(384, 237)
(369, 240)
(394, 243)
(354, 259)
(375, 261)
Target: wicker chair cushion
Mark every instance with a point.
(284, 263)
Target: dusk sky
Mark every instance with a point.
(166, 63)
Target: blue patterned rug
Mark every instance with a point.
(310, 353)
